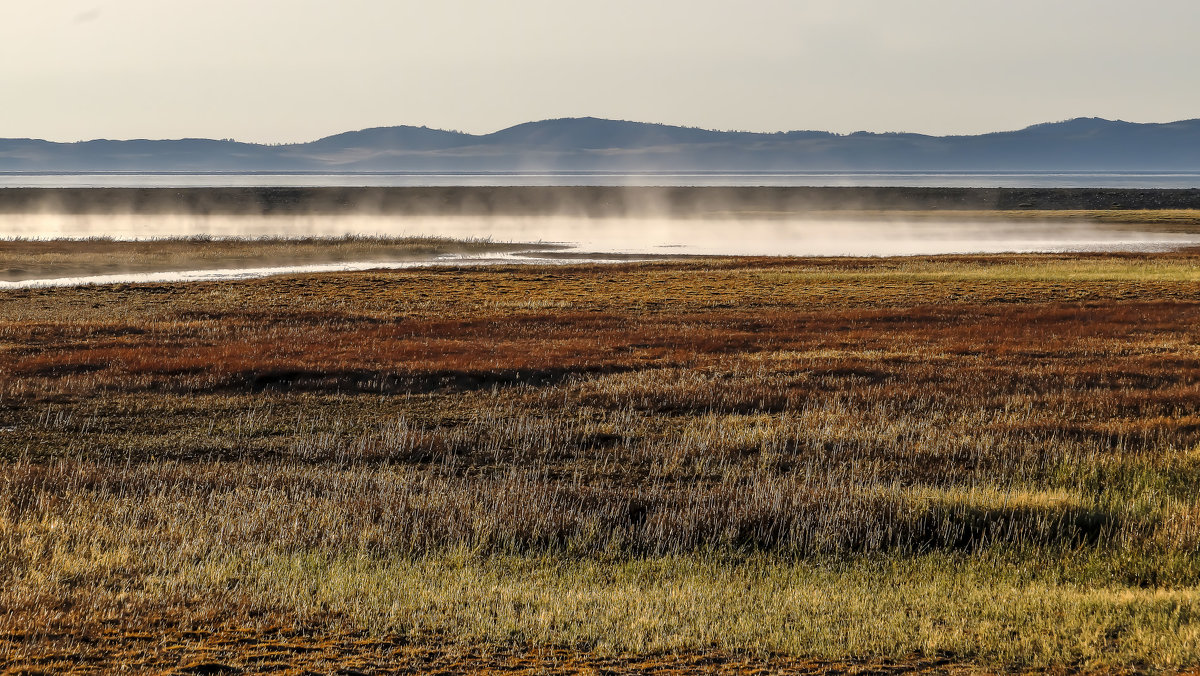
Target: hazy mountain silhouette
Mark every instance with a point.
(592, 144)
(391, 138)
(590, 133)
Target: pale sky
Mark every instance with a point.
(296, 70)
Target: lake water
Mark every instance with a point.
(579, 236)
(798, 179)
(596, 236)
(590, 240)
(743, 236)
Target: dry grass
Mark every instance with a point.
(1177, 220)
(41, 259)
(991, 460)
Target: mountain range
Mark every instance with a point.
(592, 144)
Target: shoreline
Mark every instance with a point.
(233, 274)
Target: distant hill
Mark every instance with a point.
(592, 144)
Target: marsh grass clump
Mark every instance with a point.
(781, 459)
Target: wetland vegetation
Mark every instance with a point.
(952, 463)
(31, 259)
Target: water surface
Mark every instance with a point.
(741, 236)
(593, 238)
(923, 179)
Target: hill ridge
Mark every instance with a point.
(599, 144)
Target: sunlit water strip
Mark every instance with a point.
(233, 274)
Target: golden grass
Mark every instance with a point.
(923, 607)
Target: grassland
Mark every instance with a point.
(972, 463)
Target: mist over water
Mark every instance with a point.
(632, 235)
(637, 236)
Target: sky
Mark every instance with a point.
(278, 71)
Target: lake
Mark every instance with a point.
(743, 236)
